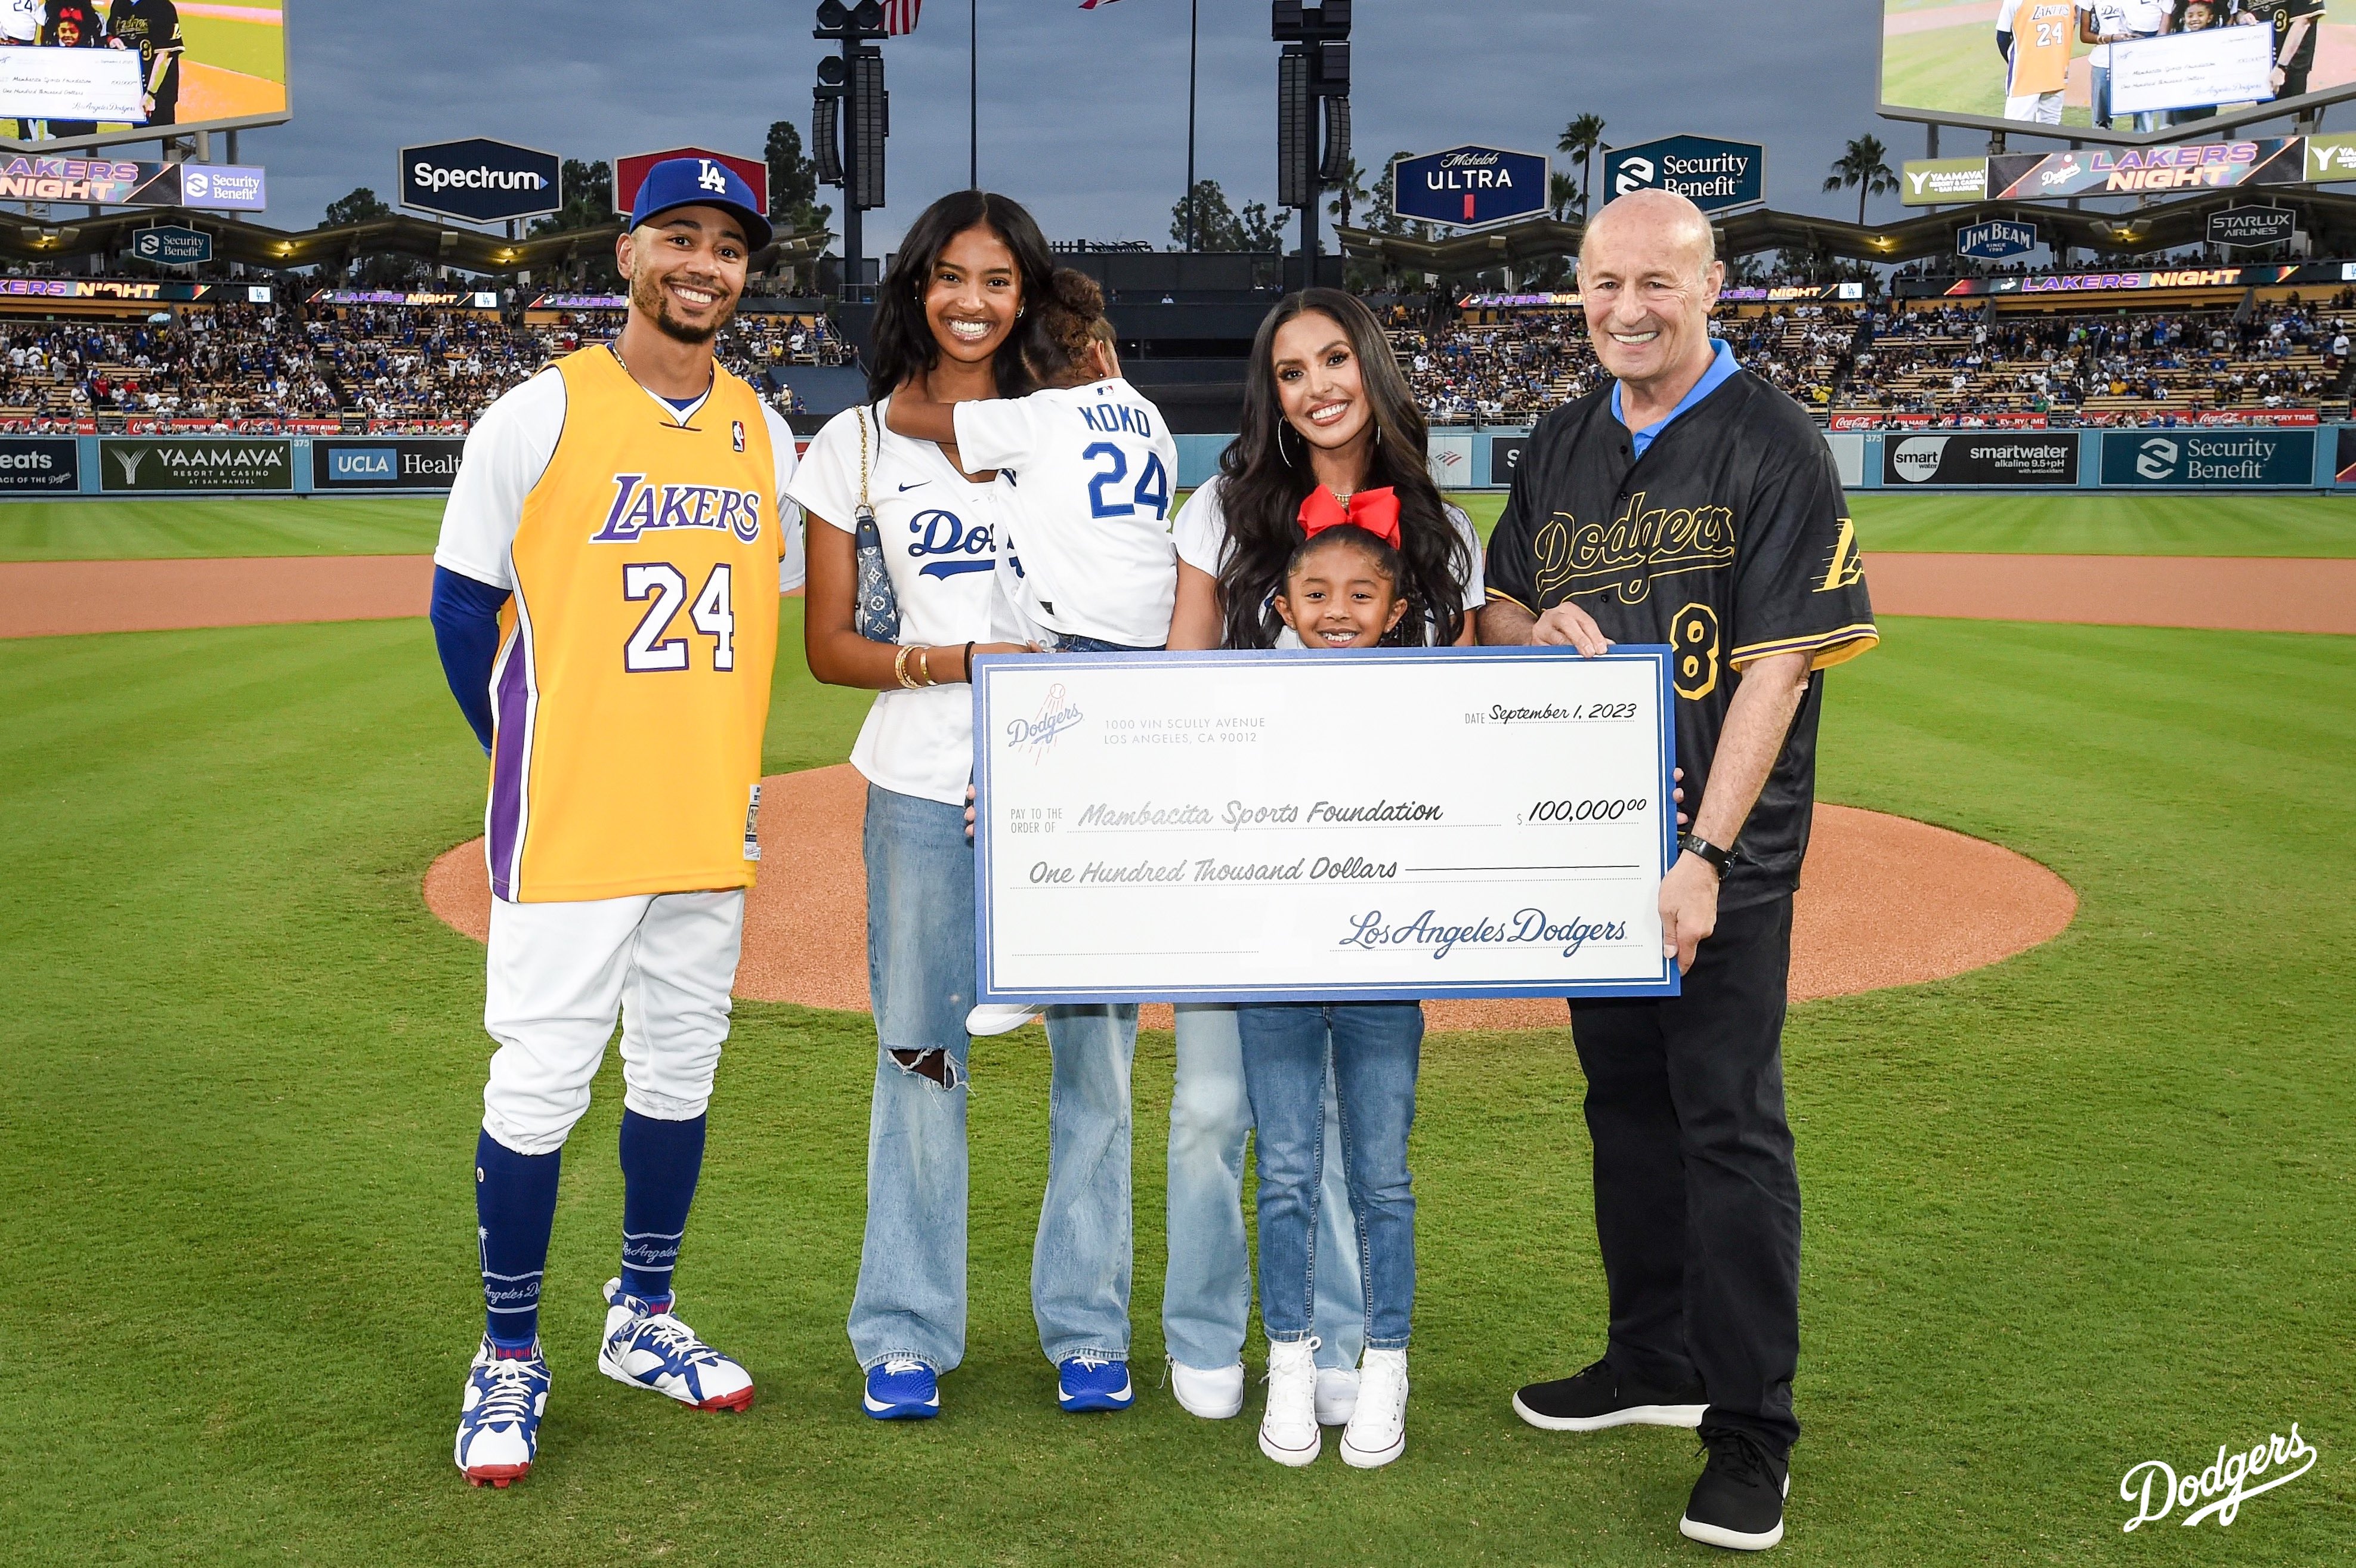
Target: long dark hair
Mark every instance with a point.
(903, 339)
(1263, 475)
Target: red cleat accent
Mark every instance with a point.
(741, 1400)
(498, 1476)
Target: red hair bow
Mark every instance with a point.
(1376, 511)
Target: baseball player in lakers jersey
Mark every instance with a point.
(605, 604)
(2035, 37)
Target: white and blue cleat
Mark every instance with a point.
(653, 1350)
(1091, 1382)
(901, 1388)
(498, 1420)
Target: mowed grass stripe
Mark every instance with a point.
(2064, 1214)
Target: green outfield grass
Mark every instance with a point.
(2302, 525)
(2079, 1211)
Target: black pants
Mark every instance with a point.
(1696, 1198)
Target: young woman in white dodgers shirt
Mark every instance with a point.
(1324, 405)
(949, 313)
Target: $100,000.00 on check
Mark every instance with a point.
(1300, 826)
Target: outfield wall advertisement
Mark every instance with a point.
(1980, 459)
(41, 465)
(2226, 458)
(203, 465)
(413, 463)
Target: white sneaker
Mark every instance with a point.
(1214, 1395)
(654, 1349)
(1377, 1432)
(1289, 1433)
(1337, 1395)
(997, 1017)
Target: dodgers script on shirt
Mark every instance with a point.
(1396, 824)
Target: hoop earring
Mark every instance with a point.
(1282, 456)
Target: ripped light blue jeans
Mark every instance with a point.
(911, 1299)
(1207, 1296)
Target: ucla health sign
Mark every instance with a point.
(2225, 457)
(1470, 187)
(416, 463)
(1714, 175)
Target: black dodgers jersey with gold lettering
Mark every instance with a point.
(1729, 541)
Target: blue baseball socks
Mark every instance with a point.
(515, 1207)
(661, 1162)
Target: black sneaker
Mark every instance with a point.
(1738, 1502)
(1600, 1397)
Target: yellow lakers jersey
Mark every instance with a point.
(2043, 31)
(633, 676)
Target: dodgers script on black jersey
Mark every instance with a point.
(1729, 539)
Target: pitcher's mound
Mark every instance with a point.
(1886, 900)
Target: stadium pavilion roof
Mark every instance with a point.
(2329, 219)
(468, 250)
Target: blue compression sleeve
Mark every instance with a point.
(466, 616)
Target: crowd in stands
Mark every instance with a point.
(264, 370)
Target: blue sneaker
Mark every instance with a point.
(902, 1389)
(1090, 1383)
(499, 1419)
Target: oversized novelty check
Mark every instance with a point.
(1296, 826)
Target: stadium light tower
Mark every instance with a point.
(850, 117)
(1312, 84)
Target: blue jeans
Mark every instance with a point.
(1374, 1047)
(911, 1299)
(1206, 1294)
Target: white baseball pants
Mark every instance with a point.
(558, 975)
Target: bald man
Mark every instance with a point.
(1692, 504)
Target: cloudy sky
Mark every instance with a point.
(1083, 115)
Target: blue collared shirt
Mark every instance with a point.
(1722, 365)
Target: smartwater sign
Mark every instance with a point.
(200, 466)
(1714, 175)
(41, 465)
(424, 463)
(1470, 187)
(1992, 458)
(2197, 457)
(479, 180)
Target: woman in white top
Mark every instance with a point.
(948, 312)
(1326, 409)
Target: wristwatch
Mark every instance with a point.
(1695, 844)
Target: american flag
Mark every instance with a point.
(900, 16)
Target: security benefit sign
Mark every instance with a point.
(1980, 459)
(1714, 175)
(172, 245)
(195, 465)
(40, 464)
(416, 463)
(1470, 187)
(2225, 456)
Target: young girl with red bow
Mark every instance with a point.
(1330, 434)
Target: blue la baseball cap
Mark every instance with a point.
(699, 182)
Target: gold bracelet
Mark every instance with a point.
(900, 667)
(924, 665)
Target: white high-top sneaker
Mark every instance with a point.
(1289, 1433)
(1377, 1431)
(1337, 1395)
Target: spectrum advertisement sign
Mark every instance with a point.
(2225, 457)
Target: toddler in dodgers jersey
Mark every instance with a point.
(1089, 561)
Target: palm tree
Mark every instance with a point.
(1864, 164)
(1580, 138)
(1562, 191)
(1348, 191)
